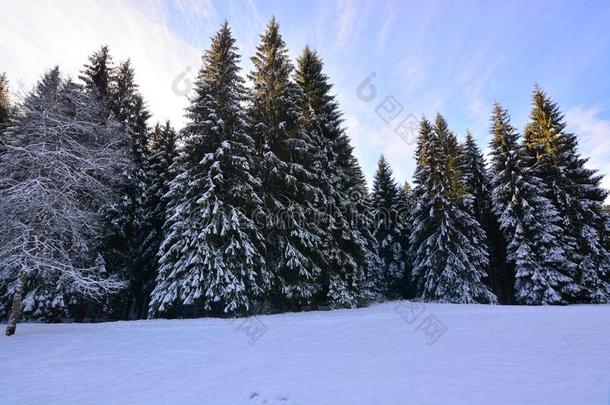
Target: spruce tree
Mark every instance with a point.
(447, 244)
(345, 249)
(475, 178)
(6, 112)
(477, 184)
(421, 225)
(126, 235)
(405, 206)
(5, 102)
(162, 152)
(576, 195)
(527, 218)
(129, 108)
(97, 74)
(361, 217)
(213, 252)
(290, 193)
(385, 198)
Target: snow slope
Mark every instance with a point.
(388, 353)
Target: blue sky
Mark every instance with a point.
(454, 57)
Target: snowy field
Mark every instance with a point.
(386, 354)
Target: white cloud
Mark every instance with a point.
(35, 36)
(369, 141)
(594, 135)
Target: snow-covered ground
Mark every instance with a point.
(394, 353)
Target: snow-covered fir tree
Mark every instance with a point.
(405, 206)
(213, 252)
(576, 194)
(385, 202)
(475, 178)
(125, 233)
(476, 182)
(162, 153)
(290, 193)
(345, 257)
(58, 164)
(447, 244)
(527, 218)
(360, 213)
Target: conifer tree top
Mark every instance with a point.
(504, 135)
(5, 101)
(310, 76)
(97, 73)
(271, 57)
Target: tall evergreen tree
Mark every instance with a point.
(577, 196)
(361, 217)
(213, 251)
(5, 101)
(345, 248)
(405, 206)
(385, 198)
(290, 193)
(475, 178)
(477, 184)
(447, 243)
(125, 236)
(97, 74)
(527, 219)
(162, 152)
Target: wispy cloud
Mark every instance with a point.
(389, 19)
(440, 56)
(594, 135)
(46, 33)
(347, 20)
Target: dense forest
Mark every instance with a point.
(258, 205)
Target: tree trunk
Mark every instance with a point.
(16, 306)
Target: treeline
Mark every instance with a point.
(258, 204)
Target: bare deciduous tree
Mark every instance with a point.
(60, 163)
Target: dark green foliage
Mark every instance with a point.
(447, 244)
(476, 183)
(290, 193)
(405, 207)
(124, 237)
(162, 152)
(388, 230)
(527, 219)
(5, 102)
(576, 195)
(345, 255)
(213, 253)
(97, 74)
